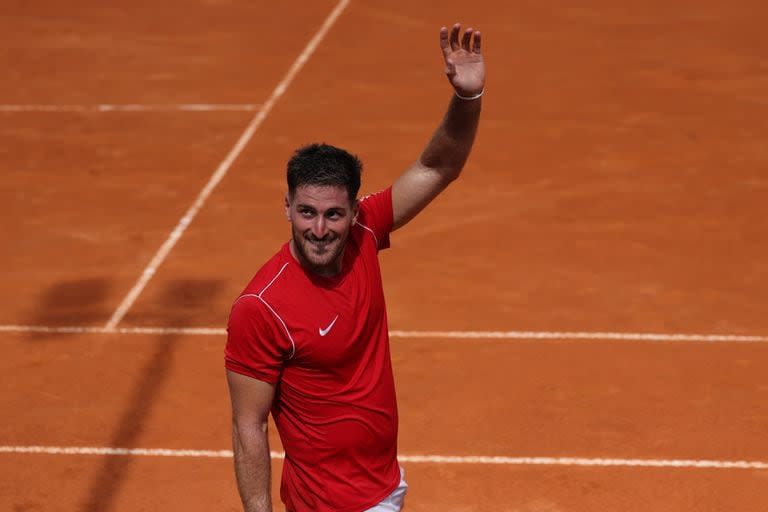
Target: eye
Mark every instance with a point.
(334, 215)
(306, 212)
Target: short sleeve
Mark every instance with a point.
(376, 216)
(257, 345)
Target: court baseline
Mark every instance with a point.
(131, 107)
(467, 335)
(438, 459)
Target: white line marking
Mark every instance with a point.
(91, 450)
(223, 168)
(105, 107)
(546, 335)
(416, 459)
(465, 335)
(199, 331)
(580, 461)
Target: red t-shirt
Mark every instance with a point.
(324, 343)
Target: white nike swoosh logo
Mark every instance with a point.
(325, 331)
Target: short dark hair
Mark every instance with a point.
(324, 165)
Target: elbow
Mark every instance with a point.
(446, 172)
(249, 428)
(249, 440)
(449, 174)
(453, 174)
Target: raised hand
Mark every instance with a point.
(464, 64)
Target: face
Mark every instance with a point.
(321, 217)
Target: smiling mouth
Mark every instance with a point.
(320, 245)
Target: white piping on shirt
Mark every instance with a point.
(271, 309)
(273, 279)
(259, 296)
(371, 232)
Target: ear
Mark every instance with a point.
(355, 211)
(287, 206)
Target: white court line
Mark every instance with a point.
(565, 335)
(462, 335)
(164, 331)
(106, 107)
(416, 459)
(223, 168)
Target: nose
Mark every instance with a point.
(319, 227)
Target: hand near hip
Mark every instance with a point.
(464, 64)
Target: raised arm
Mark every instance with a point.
(251, 401)
(443, 158)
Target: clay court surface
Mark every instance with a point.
(578, 324)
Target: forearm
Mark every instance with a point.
(252, 467)
(450, 145)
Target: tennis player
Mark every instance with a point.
(308, 339)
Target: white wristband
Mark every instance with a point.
(470, 98)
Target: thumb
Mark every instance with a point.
(450, 68)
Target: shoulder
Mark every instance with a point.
(255, 318)
(376, 203)
(271, 276)
(272, 286)
(375, 216)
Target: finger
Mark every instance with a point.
(467, 39)
(455, 36)
(478, 42)
(444, 45)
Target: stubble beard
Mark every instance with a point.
(320, 257)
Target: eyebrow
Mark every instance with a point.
(331, 209)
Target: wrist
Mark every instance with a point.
(470, 98)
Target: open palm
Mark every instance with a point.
(464, 64)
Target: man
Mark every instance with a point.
(308, 337)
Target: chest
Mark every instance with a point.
(334, 325)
